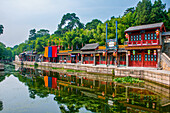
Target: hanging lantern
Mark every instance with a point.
(114, 53)
(133, 52)
(127, 36)
(104, 53)
(153, 105)
(91, 55)
(103, 93)
(157, 32)
(154, 52)
(113, 95)
(82, 55)
(128, 53)
(149, 51)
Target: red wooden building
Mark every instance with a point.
(144, 45)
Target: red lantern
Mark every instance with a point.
(157, 32)
(82, 55)
(127, 36)
(103, 93)
(91, 55)
(114, 53)
(103, 53)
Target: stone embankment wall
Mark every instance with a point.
(157, 77)
(160, 78)
(165, 62)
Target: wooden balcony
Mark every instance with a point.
(143, 43)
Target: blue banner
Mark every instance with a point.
(49, 51)
(49, 81)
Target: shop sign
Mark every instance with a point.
(133, 52)
(149, 51)
(111, 44)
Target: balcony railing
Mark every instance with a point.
(143, 43)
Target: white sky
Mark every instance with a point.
(19, 16)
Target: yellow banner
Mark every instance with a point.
(46, 52)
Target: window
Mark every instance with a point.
(131, 38)
(139, 37)
(101, 58)
(86, 58)
(134, 38)
(120, 58)
(145, 36)
(151, 57)
(152, 36)
(131, 57)
(139, 57)
(134, 57)
(91, 58)
(145, 57)
(155, 36)
(148, 36)
(68, 57)
(154, 57)
(148, 57)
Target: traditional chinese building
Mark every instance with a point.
(144, 45)
(99, 55)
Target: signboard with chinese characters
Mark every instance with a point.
(111, 43)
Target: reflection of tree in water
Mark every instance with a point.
(35, 84)
(73, 101)
(1, 106)
(2, 77)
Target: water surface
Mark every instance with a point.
(50, 91)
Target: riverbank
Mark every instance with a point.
(151, 74)
(1, 67)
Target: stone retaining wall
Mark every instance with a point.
(160, 78)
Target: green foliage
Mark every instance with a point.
(1, 29)
(127, 80)
(35, 65)
(93, 24)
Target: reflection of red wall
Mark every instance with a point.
(103, 62)
(54, 82)
(91, 62)
(122, 62)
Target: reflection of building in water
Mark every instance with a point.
(133, 98)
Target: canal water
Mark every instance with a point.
(41, 90)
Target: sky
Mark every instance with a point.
(20, 16)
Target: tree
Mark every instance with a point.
(158, 10)
(128, 10)
(143, 10)
(93, 24)
(69, 22)
(1, 29)
(32, 35)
